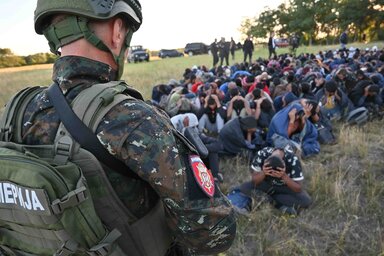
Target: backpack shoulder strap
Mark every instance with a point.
(72, 120)
(10, 124)
(99, 99)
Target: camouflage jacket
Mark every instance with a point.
(143, 138)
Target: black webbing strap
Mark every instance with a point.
(83, 135)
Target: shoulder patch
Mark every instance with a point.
(202, 175)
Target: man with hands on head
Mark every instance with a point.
(276, 172)
(237, 106)
(293, 125)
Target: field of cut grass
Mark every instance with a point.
(346, 180)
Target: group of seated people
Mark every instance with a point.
(275, 112)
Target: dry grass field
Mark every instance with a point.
(346, 180)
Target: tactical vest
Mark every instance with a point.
(89, 219)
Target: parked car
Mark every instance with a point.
(281, 42)
(137, 53)
(196, 48)
(164, 53)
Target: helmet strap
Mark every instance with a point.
(121, 58)
(65, 31)
(73, 28)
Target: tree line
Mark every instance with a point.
(9, 59)
(320, 21)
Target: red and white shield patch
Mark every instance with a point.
(203, 176)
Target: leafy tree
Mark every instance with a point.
(326, 18)
(316, 19)
(261, 26)
(354, 15)
(303, 17)
(5, 51)
(51, 58)
(11, 61)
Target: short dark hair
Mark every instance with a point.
(314, 106)
(266, 105)
(374, 88)
(331, 86)
(211, 101)
(238, 82)
(256, 93)
(250, 79)
(305, 87)
(260, 85)
(274, 162)
(233, 92)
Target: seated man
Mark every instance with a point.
(213, 145)
(278, 173)
(334, 103)
(160, 94)
(238, 134)
(212, 119)
(180, 102)
(237, 106)
(283, 100)
(292, 125)
(366, 94)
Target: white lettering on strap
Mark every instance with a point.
(19, 197)
(35, 202)
(8, 193)
(1, 194)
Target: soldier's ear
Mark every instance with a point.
(119, 32)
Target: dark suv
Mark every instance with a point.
(196, 48)
(137, 53)
(163, 53)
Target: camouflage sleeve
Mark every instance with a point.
(145, 141)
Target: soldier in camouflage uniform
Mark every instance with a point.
(201, 219)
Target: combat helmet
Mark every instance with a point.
(75, 26)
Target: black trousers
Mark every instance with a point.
(214, 146)
(215, 59)
(281, 195)
(226, 57)
(246, 54)
(272, 51)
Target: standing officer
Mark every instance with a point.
(93, 38)
(248, 49)
(272, 45)
(214, 52)
(223, 51)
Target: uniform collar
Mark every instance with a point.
(70, 71)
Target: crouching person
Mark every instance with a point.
(278, 174)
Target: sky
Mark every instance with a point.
(167, 24)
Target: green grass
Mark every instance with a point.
(346, 181)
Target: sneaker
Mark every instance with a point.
(288, 210)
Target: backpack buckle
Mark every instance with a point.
(104, 247)
(5, 133)
(68, 248)
(63, 150)
(71, 199)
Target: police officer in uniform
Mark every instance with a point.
(93, 37)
